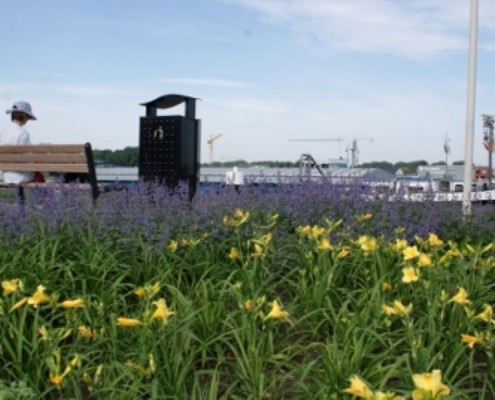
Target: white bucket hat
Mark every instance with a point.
(24, 107)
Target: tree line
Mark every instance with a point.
(129, 157)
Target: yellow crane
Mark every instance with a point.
(210, 141)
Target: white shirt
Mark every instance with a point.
(16, 135)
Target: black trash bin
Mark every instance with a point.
(169, 145)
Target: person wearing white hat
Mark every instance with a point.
(15, 134)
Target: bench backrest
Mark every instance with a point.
(61, 158)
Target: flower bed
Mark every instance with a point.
(297, 292)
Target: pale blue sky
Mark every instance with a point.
(266, 71)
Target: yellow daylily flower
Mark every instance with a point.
(56, 379)
(140, 291)
(234, 253)
(410, 253)
(487, 313)
(434, 240)
(400, 244)
(148, 290)
(317, 231)
(358, 388)
(409, 275)
(367, 244)
(241, 215)
(162, 312)
(386, 396)
(191, 243)
(324, 245)
(259, 250)
(276, 312)
(303, 230)
(470, 340)
(389, 311)
(128, 322)
(86, 332)
(11, 286)
(386, 287)
(429, 383)
(248, 305)
(401, 308)
(173, 246)
(453, 253)
(75, 303)
(344, 252)
(461, 297)
(397, 308)
(239, 218)
(38, 297)
(424, 260)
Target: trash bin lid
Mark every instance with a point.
(168, 101)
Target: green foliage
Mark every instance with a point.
(128, 157)
(16, 391)
(251, 309)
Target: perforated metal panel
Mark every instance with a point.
(160, 148)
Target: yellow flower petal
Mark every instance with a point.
(56, 379)
(358, 388)
(424, 260)
(434, 241)
(75, 303)
(20, 303)
(276, 312)
(324, 245)
(410, 253)
(86, 332)
(11, 286)
(487, 313)
(162, 312)
(409, 275)
(431, 382)
(128, 322)
(400, 244)
(461, 297)
(470, 340)
(38, 297)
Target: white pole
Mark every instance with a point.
(471, 93)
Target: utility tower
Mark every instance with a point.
(446, 149)
(210, 145)
(488, 142)
(355, 151)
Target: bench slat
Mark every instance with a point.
(42, 148)
(43, 158)
(62, 158)
(80, 168)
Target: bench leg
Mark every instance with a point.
(21, 200)
(20, 194)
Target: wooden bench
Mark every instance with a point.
(50, 158)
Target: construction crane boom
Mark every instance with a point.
(210, 141)
(318, 140)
